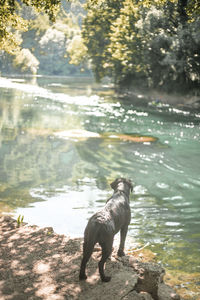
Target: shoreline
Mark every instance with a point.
(36, 263)
(156, 97)
(146, 95)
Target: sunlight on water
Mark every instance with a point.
(62, 142)
(76, 205)
(39, 92)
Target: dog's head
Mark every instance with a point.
(122, 184)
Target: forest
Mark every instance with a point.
(148, 43)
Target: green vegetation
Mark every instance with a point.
(148, 43)
(11, 20)
(39, 40)
(153, 43)
(20, 220)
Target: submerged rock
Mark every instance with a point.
(81, 134)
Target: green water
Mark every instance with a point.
(57, 178)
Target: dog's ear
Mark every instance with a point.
(130, 184)
(114, 184)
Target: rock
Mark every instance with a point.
(149, 276)
(135, 296)
(165, 292)
(122, 282)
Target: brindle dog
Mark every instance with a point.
(103, 225)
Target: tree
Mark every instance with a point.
(156, 41)
(11, 21)
(95, 33)
(43, 46)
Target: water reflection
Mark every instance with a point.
(59, 180)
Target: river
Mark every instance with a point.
(64, 140)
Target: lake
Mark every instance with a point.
(64, 140)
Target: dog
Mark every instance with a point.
(103, 225)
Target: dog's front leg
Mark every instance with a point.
(123, 233)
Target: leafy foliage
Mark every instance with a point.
(95, 32)
(43, 46)
(77, 50)
(154, 42)
(26, 60)
(10, 20)
(9, 23)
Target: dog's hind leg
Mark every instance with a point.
(87, 252)
(106, 252)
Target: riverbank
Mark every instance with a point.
(145, 95)
(36, 263)
(155, 97)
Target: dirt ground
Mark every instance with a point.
(36, 263)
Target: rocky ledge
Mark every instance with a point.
(36, 263)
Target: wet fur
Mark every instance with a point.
(103, 225)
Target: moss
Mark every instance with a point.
(186, 284)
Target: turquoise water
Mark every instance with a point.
(60, 148)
